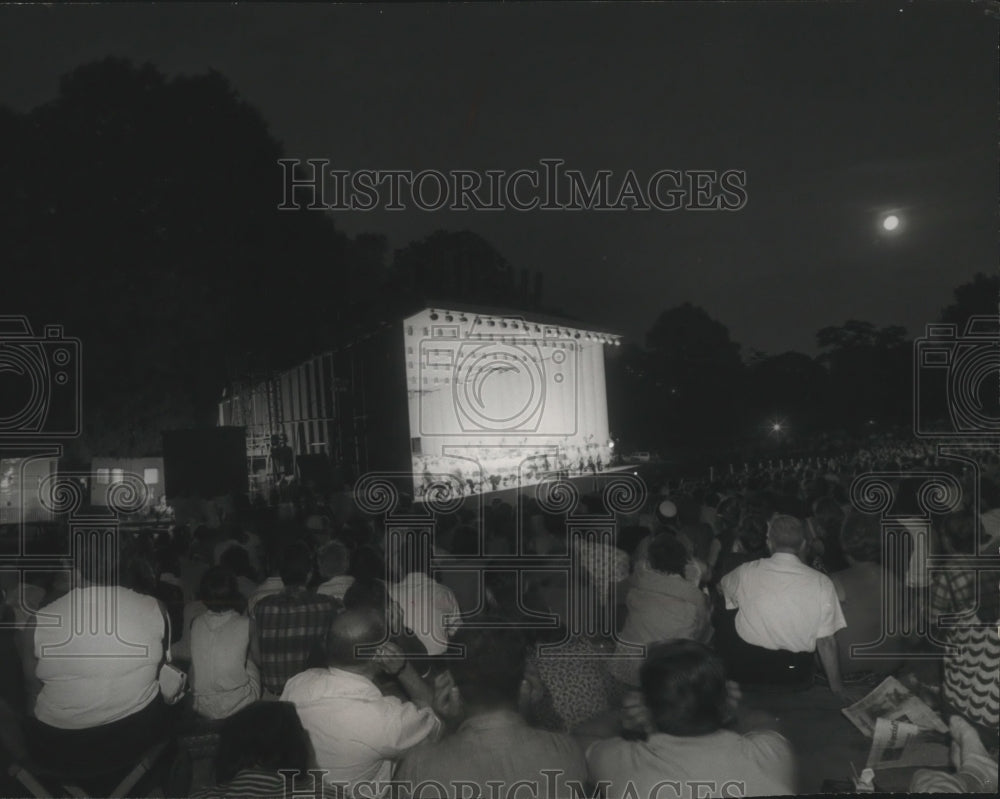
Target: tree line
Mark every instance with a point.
(139, 212)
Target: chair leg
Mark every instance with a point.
(28, 780)
(142, 768)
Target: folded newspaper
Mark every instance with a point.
(892, 701)
(898, 744)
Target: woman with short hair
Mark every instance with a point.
(223, 677)
(688, 745)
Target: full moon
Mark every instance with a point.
(891, 222)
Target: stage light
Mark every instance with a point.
(776, 427)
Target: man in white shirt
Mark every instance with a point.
(357, 733)
(785, 611)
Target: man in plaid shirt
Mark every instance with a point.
(287, 630)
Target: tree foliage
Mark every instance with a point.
(142, 215)
(978, 297)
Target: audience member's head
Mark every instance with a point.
(333, 559)
(296, 564)
(861, 537)
(265, 736)
(237, 560)
(374, 595)
(667, 554)
(139, 574)
(684, 686)
(753, 535)
(219, 591)
(489, 673)
(351, 632)
(785, 534)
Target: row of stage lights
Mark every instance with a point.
(527, 327)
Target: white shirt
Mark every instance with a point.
(430, 610)
(356, 732)
(783, 604)
(336, 586)
(106, 672)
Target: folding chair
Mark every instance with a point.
(40, 781)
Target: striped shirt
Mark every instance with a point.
(970, 668)
(290, 628)
(253, 784)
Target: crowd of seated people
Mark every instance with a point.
(368, 657)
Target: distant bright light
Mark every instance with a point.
(776, 427)
(611, 444)
(891, 222)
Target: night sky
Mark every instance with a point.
(839, 113)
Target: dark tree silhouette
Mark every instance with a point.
(978, 297)
(696, 367)
(789, 386)
(141, 214)
(870, 372)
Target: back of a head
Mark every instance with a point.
(237, 560)
(861, 537)
(667, 554)
(107, 566)
(786, 533)
(753, 535)
(350, 631)
(333, 559)
(489, 672)
(370, 594)
(265, 736)
(296, 564)
(684, 687)
(218, 590)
